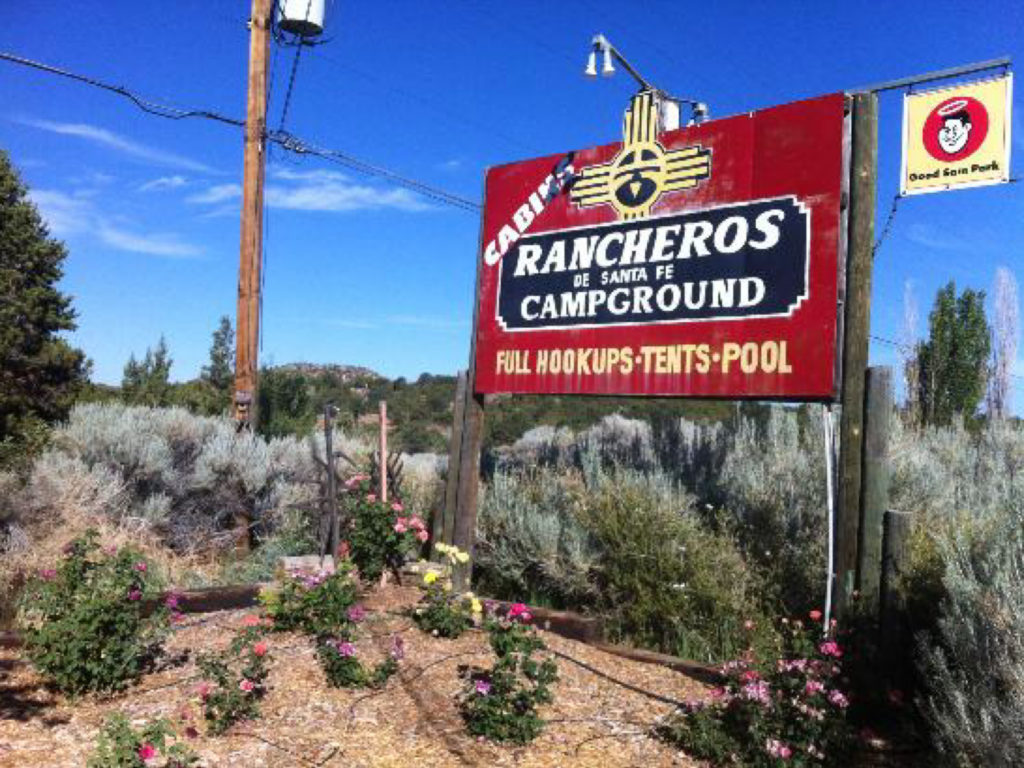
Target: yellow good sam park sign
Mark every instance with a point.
(957, 136)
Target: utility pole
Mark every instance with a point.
(251, 252)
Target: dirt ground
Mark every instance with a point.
(598, 718)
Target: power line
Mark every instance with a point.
(153, 108)
(299, 45)
(282, 138)
(302, 147)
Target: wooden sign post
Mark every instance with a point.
(856, 324)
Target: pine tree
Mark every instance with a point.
(220, 372)
(148, 382)
(953, 363)
(40, 373)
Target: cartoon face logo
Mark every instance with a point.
(955, 128)
(643, 170)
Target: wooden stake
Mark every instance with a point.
(896, 547)
(469, 479)
(856, 325)
(874, 482)
(383, 464)
(333, 535)
(247, 326)
(444, 523)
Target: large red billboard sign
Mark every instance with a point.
(698, 262)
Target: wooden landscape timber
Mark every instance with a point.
(572, 626)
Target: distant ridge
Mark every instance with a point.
(343, 373)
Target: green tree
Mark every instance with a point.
(220, 372)
(148, 382)
(40, 373)
(953, 363)
(284, 404)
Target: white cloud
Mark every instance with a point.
(68, 215)
(216, 194)
(290, 174)
(428, 321)
(340, 196)
(316, 191)
(164, 182)
(154, 244)
(64, 214)
(923, 234)
(119, 143)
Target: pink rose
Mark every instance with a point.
(141, 567)
(356, 613)
(815, 615)
(147, 752)
(260, 649)
(400, 527)
(416, 522)
(831, 648)
(837, 699)
(813, 687)
(776, 748)
(371, 497)
(397, 507)
(251, 621)
(246, 685)
(346, 649)
(422, 535)
(134, 595)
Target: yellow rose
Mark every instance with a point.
(476, 606)
(430, 577)
(462, 557)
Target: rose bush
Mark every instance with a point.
(789, 710)
(83, 621)
(339, 659)
(501, 703)
(314, 603)
(382, 534)
(442, 612)
(119, 745)
(235, 679)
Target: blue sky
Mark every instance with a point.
(361, 272)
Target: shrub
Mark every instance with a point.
(784, 711)
(235, 679)
(83, 621)
(189, 478)
(382, 533)
(340, 662)
(501, 703)
(119, 745)
(314, 603)
(441, 612)
(529, 542)
(664, 582)
(973, 667)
